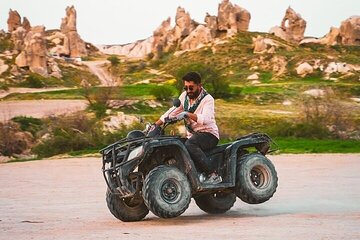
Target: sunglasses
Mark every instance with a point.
(190, 88)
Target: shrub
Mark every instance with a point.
(114, 60)
(13, 141)
(34, 81)
(28, 124)
(68, 133)
(98, 100)
(321, 118)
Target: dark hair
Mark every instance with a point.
(192, 76)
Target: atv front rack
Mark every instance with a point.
(117, 165)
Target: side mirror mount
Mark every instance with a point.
(176, 102)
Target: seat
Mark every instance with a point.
(217, 149)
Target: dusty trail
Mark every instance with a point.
(39, 108)
(318, 198)
(96, 68)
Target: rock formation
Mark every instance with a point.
(263, 45)
(347, 34)
(350, 31)
(162, 38)
(201, 35)
(212, 24)
(138, 49)
(73, 40)
(232, 18)
(292, 27)
(184, 25)
(187, 33)
(17, 36)
(14, 20)
(26, 24)
(34, 54)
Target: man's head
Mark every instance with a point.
(192, 84)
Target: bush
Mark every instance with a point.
(162, 92)
(114, 60)
(34, 81)
(67, 134)
(320, 118)
(211, 79)
(29, 124)
(13, 141)
(77, 132)
(98, 99)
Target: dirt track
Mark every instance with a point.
(39, 108)
(318, 198)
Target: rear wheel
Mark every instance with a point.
(166, 191)
(256, 178)
(215, 203)
(126, 209)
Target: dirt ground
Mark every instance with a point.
(39, 108)
(318, 198)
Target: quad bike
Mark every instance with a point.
(153, 171)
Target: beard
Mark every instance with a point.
(194, 95)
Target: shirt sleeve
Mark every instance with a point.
(208, 111)
(173, 111)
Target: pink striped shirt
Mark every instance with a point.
(205, 113)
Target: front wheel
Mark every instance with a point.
(215, 203)
(126, 209)
(166, 191)
(256, 178)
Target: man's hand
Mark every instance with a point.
(182, 115)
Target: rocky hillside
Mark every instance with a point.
(46, 57)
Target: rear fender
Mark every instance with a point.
(260, 141)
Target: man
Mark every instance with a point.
(197, 108)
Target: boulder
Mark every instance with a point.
(263, 45)
(254, 76)
(334, 67)
(350, 31)
(304, 69)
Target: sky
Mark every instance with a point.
(125, 21)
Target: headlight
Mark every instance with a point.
(136, 152)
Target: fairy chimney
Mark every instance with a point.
(14, 20)
(34, 54)
(76, 45)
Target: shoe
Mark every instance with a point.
(213, 178)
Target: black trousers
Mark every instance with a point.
(196, 145)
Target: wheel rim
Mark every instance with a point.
(260, 177)
(170, 191)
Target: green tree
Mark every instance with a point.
(114, 60)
